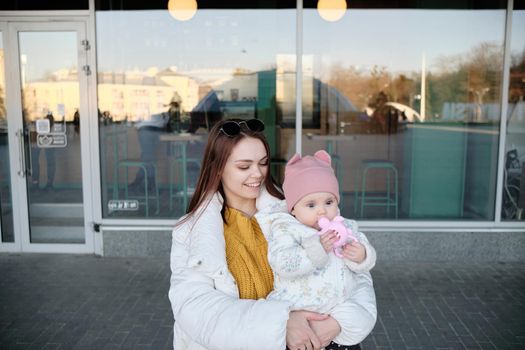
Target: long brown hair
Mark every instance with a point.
(217, 151)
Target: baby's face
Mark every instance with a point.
(314, 205)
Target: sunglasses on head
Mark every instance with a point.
(233, 128)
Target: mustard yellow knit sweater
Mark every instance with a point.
(247, 255)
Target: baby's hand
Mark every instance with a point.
(328, 239)
(355, 252)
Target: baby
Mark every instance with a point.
(306, 270)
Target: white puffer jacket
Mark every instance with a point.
(205, 301)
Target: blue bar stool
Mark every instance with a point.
(390, 199)
(337, 164)
(179, 164)
(146, 196)
(119, 141)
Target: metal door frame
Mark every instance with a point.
(10, 27)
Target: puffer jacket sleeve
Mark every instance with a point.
(288, 256)
(371, 257)
(358, 314)
(211, 317)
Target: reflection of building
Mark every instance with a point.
(285, 89)
(137, 95)
(241, 87)
(131, 95)
(61, 98)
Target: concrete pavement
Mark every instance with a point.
(87, 302)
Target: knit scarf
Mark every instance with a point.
(247, 255)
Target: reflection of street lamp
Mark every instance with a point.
(479, 95)
(331, 10)
(23, 62)
(182, 10)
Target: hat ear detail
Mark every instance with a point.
(296, 157)
(324, 156)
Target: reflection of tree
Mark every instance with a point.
(473, 77)
(402, 89)
(362, 87)
(358, 86)
(517, 77)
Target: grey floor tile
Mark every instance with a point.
(85, 302)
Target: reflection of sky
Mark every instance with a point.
(47, 52)
(250, 39)
(212, 39)
(518, 31)
(398, 38)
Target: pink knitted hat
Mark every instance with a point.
(308, 174)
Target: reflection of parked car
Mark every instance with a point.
(386, 119)
(210, 110)
(410, 114)
(206, 113)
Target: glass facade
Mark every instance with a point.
(513, 201)
(420, 105)
(408, 107)
(163, 83)
(406, 98)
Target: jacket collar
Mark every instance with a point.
(265, 200)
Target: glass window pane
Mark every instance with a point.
(407, 100)
(6, 205)
(162, 84)
(50, 101)
(513, 202)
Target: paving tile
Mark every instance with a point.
(84, 302)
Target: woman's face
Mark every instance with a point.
(244, 173)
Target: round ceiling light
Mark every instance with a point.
(182, 10)
(331, 10)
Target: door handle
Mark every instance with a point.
(29, 167)
(21, 154)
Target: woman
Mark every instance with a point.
(220, 272)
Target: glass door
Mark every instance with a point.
(47, 116)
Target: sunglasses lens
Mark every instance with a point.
(231, 128)
(255, 125)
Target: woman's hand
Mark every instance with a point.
(326, 330)
(299, 334)
(328, 239)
